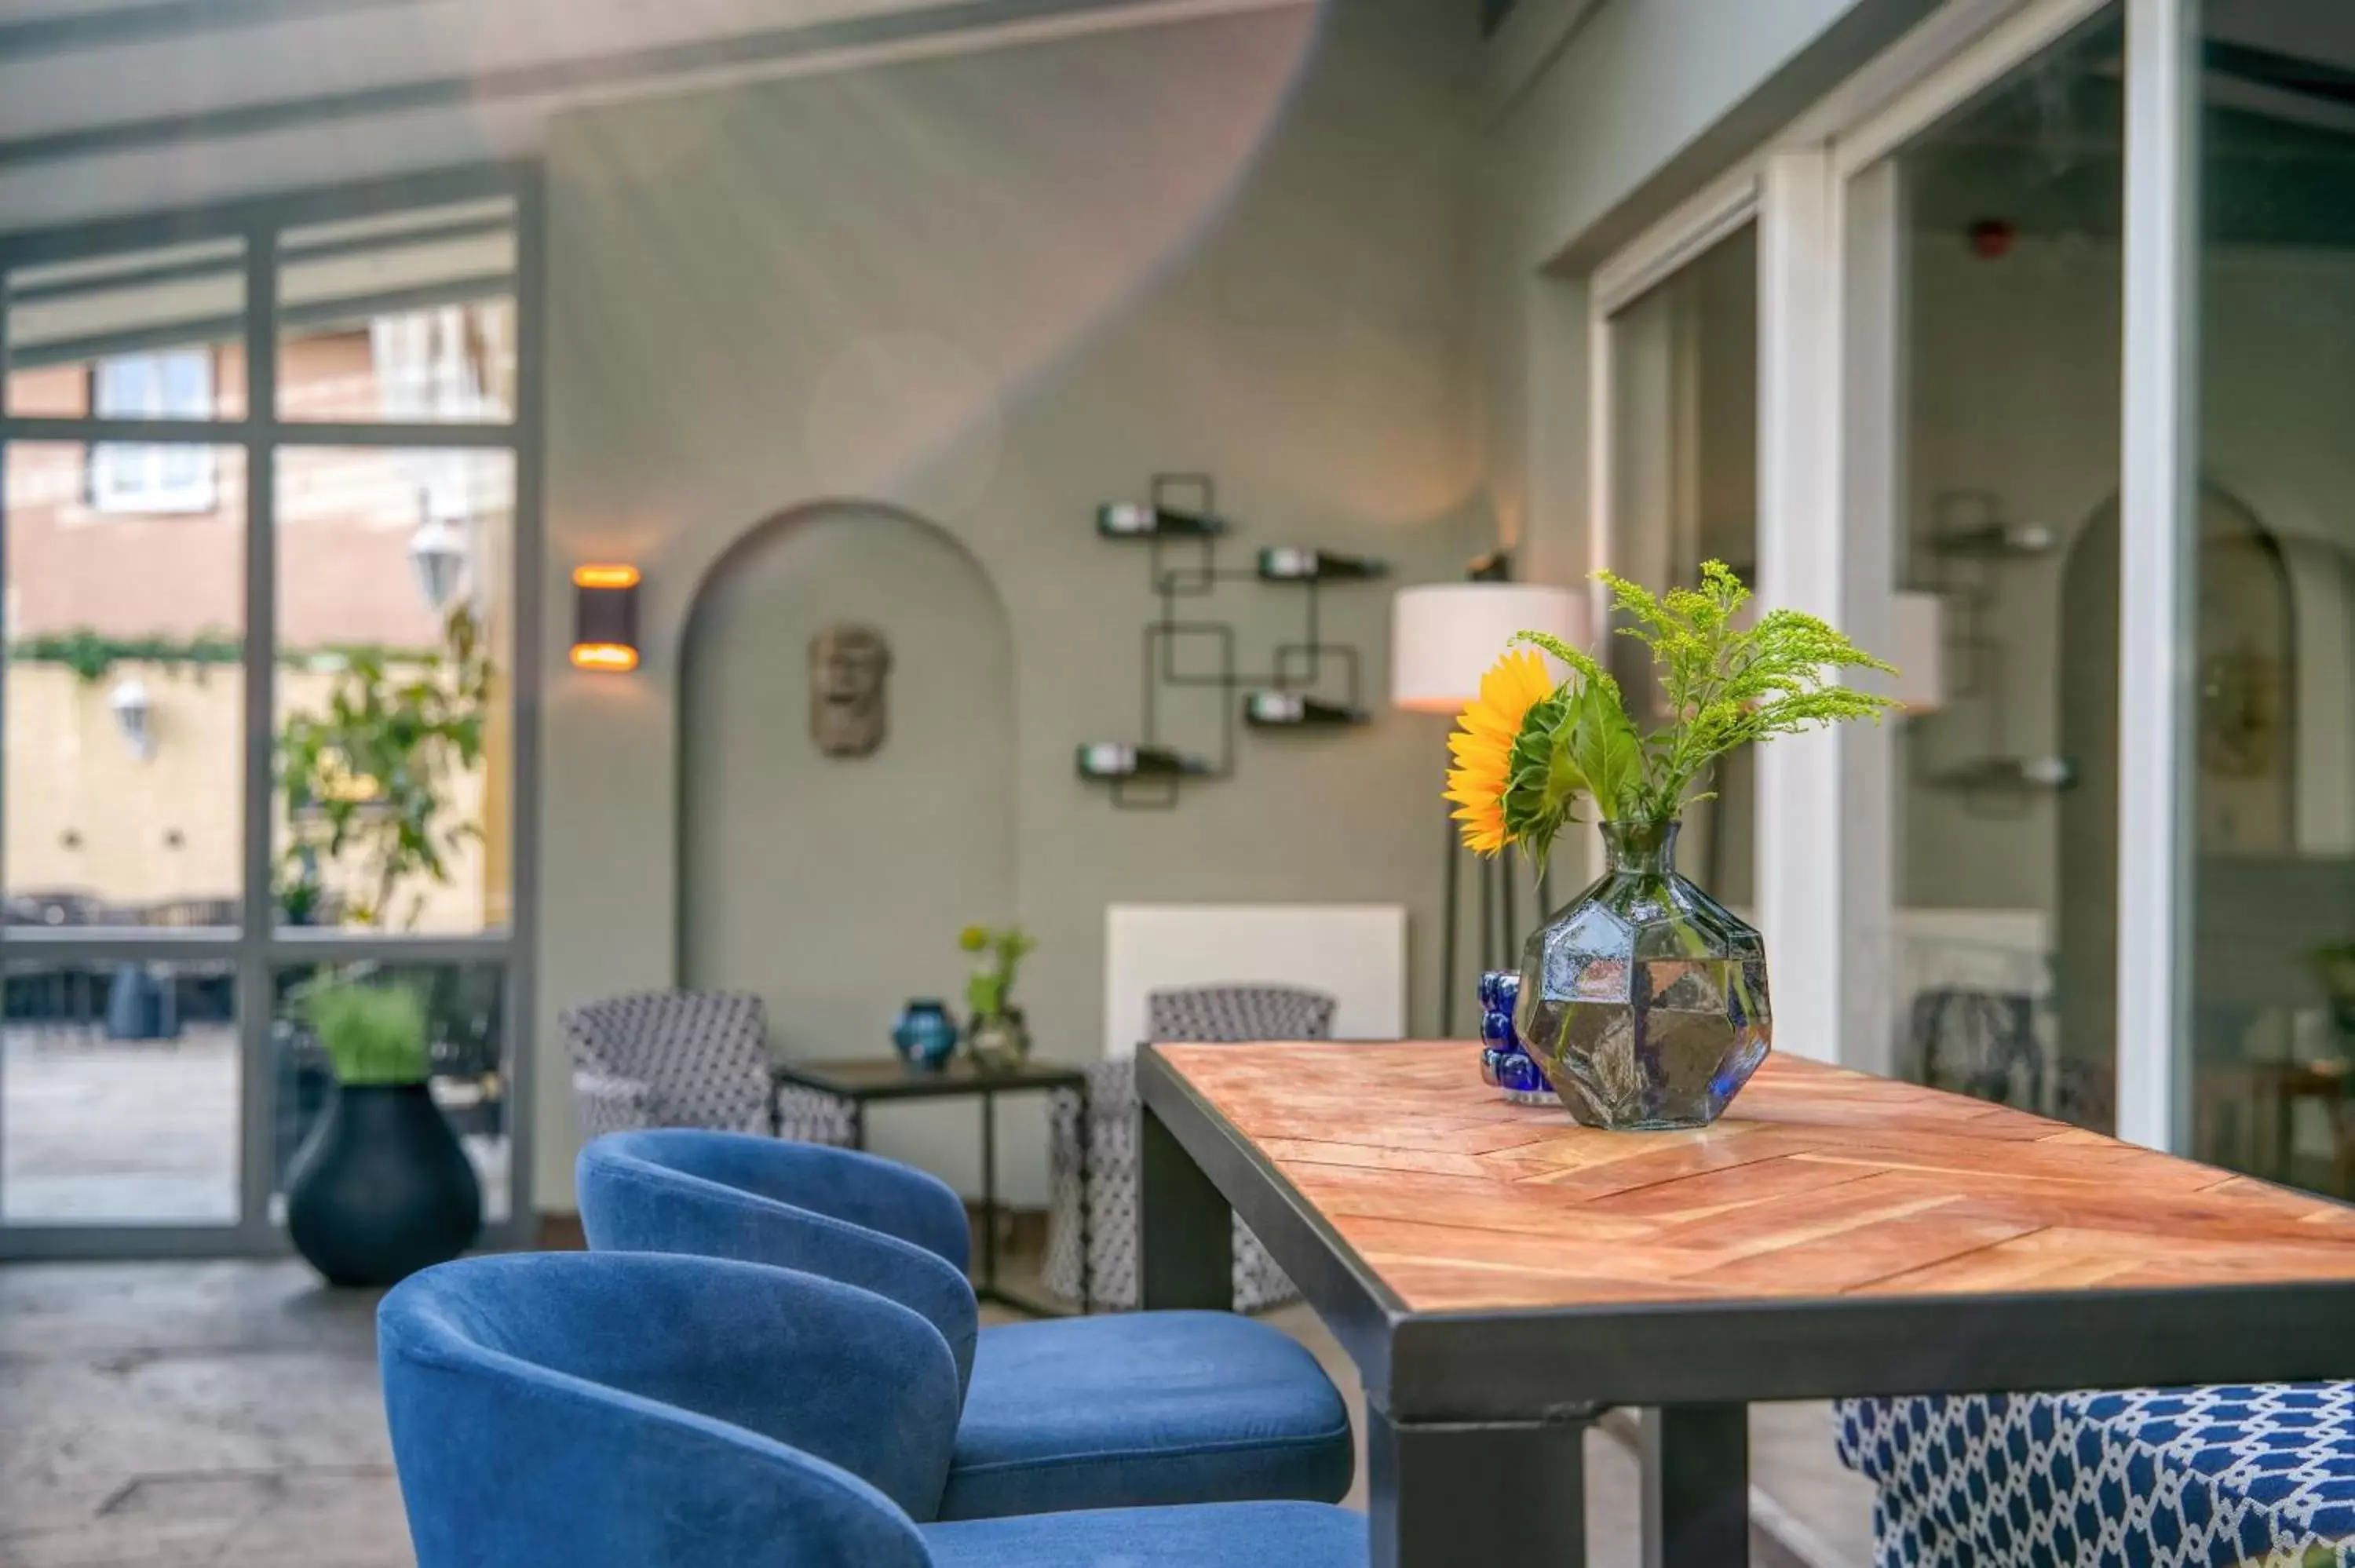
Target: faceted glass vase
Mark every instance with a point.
(1645, 1000)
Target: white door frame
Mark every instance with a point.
(1828, 233)
(2158, 612)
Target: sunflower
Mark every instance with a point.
(1483, 745)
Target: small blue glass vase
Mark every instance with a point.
(925, 1035)
(1503, 1063)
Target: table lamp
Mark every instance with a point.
(1444, 638)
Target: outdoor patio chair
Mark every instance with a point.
(1078, 1413)
(686, 1058)
(777, 1418)
(1223, 1012)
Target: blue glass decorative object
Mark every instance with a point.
(1503, 1063)
(925, 1035)
(1644, 1000)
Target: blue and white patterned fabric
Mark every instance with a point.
(2259, 1475)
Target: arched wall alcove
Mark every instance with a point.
(2270, 736)
(834, 886)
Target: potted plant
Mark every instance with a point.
(996, 1033)
(381, 1188)
(369, 782)
(1643, 1000)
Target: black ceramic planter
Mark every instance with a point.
(381, 1189)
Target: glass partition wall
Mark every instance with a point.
(1985, 254)
(2048, 308)
(268, 529)
(2267, 553)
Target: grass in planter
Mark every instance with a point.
(374, 1035)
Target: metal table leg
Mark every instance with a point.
(1185, 1231)
(1696, 1486)
(989, 1193)
(1444, 1494)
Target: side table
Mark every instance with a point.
(872, 1079)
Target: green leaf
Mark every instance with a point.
(1608, 753)
(1581, 662)
(1721, 686)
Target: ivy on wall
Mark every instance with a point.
(91, 654)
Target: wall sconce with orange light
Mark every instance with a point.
(605, 617)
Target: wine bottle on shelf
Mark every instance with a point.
(1299, 562)
(1143, 520)
(1287, 710)
(1121, 759)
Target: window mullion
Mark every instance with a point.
(257, 1001)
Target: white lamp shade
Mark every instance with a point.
(1920, 654)
(1446, 636)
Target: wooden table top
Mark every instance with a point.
(1820, 1181)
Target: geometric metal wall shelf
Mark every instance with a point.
(1314, 685)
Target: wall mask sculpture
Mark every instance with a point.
(848, 666)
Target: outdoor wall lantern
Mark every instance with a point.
(605, 617)
(135, 715)
(438, 553)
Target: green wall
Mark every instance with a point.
(994, 290)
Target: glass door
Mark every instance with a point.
(2268, 547)
(266, 504)
(1984, 270)
(1682, 428)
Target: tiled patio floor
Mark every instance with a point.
(118, 1131)
(184, 1415)
(98, 1132)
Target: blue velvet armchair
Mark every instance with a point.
(1139, 1409)
(634, 1411)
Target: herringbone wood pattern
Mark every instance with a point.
(1820, 1181)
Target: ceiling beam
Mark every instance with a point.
(554, 79)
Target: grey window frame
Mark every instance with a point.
(258, 947)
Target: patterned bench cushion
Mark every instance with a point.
(2168, 1478)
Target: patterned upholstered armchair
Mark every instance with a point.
(686, 1058)
(2172, 1478)
(1202, 1012)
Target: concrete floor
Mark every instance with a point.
(173, 1415)
(195, 1415)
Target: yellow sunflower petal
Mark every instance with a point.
(1482, 745)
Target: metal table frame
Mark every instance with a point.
(858, 1082)
(1476, 1419)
